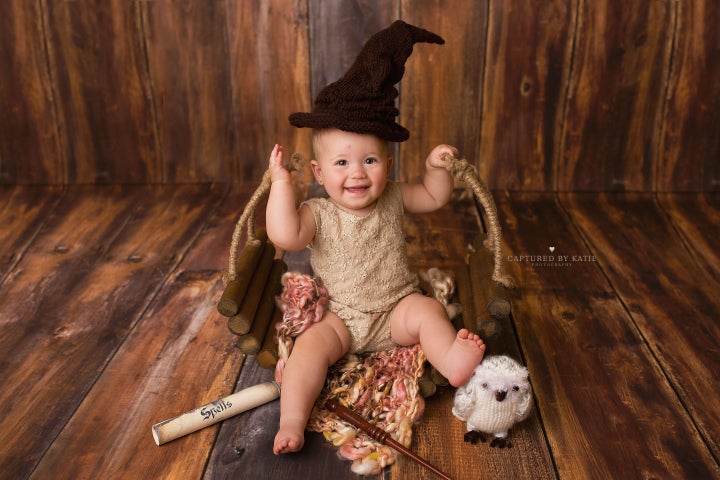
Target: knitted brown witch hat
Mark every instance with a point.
(363, 100)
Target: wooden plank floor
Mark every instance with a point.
(108, 325)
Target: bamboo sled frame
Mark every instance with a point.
(252, 279)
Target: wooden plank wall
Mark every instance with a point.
(551, 95)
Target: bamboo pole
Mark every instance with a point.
(240, 324)
(250, 343)
(236, 289)
(268, 355)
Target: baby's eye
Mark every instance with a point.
(370, 160)
(341, 163)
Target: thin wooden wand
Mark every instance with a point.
(378, 434)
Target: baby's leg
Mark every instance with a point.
(418, 318)
(318, 347)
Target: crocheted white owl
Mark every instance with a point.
(497, 396)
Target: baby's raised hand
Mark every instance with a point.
(277, 171)
(435, 160)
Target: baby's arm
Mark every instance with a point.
(287, 228)
(437, 185)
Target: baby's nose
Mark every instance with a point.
(357, 171)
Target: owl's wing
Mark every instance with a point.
(525, 405)
(464, 402)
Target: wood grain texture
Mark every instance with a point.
(244, 445)
(574, 95)
(528, 60)
(614, 103)
(690, 155)
(182, 333)
(179, 356)
(335, 44)
(36, 317)
(646, 259)
(23, 212)
(76, 294)
(696, 217)
(578, 340)
(481, 263)
(441, 92)
(441, 238)
(30, 144)
(188, 62)
(108, 312)
(438, 437)
(106, 116)
(471, 316)
(269, 58)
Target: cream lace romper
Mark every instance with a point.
(362, 261)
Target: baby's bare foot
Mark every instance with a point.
(463, 356)
(289, 439)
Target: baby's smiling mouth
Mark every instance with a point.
(356, 189)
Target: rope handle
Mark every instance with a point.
(247, 219)
(460, 170)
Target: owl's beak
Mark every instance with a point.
(500, 395)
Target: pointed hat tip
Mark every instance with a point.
(418, 35)
(362, 101)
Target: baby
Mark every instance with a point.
(358, 252)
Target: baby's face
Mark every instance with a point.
(353, 168)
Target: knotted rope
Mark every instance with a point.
(248, 217)
(462, 171)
